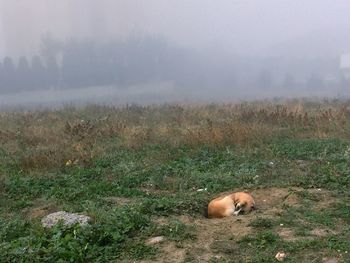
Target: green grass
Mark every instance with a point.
(161, 180)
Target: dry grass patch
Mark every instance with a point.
(48, 139)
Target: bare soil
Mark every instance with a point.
(215, 236)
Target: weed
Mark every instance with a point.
(178, 231)
(262, 223)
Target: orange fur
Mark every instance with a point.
(230, 204)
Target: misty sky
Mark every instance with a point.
(236, 26)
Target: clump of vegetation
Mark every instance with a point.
(262, 223)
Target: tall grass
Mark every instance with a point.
(52, 139)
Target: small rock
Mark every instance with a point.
(330, 260)
(302, 164)
(271, 163)
(280, 256)
(201, 190)
(67, 218)
(155, 240)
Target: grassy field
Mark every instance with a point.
(137, 171)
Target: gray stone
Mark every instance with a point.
(67, 218)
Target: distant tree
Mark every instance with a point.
(344, 84)
(50, 50)
(142, 59)
(111, 61)
(69, 67)
(76, 64)
(264, 80)
(50, 47)
(39, 78)
(1, 78)
(23, 80)
(87, 63)
(289, 81)
(314, 82)
(135, 60)
(53, 72)
(9, 75)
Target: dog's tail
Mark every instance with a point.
(205, 212)
(254, 207)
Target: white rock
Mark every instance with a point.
(280, 256)
(67, 218)
(155, 240)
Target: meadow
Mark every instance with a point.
(146, 171)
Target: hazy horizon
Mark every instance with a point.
(237, 47)
(239, 27)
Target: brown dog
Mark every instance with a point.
(231, 204)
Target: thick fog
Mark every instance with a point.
(145, 51)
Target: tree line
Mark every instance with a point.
(86, 63)
(83, 63)
(27, 75)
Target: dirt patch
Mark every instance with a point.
(37, 213)
(172, 253)
(41, 208)
(319, 232)
(287, 234)
(210, 234)
(324, 198)
(330, 260)
(270, 202)
(217, 237)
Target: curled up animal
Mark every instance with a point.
(230, 204)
